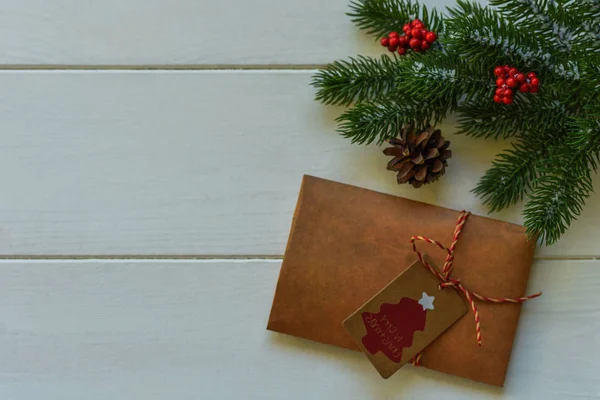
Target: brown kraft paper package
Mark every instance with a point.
(347, 243)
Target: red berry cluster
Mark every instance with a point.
(510, 80)
(415, 37)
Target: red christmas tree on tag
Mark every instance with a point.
(392, 329)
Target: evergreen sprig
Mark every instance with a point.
(384, 16)
(382, 119)
(510, 177)
(361, 78)
(555, 133)
(584, 135)
(485, 37)
(438, 75)
(559, 197)
(527, 116)
(556, 23)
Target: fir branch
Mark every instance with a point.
(431, 87)
(586, 23)
(511, 175)
(361, 78)
(526, 116)
(571, 28)
(584, 135)
(545, 18)
(381, 120)
(591, 77)
(485, 36)
(559, 196)
(380, 17)
(430, 77)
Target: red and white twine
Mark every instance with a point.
(447, 280)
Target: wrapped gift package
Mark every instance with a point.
(347, 243)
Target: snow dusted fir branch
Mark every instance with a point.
(556, 133)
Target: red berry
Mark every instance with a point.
(508, 93)
(406, 29)
(419, 25)
(385, 42)
(499, 92)
(430, 37)
(393, 34)
(425, 45)
(524, 88)
(512, 82)
(507, 100)
(535, 82)
(534, 89)
(417, 33)
(506, 68)
(415, 44)
(500, 82)
(521, 77)
(394, 42)
(531, 75)
(415, 22)
(402, 51)
(513, 71)
(498, 99)
(499, 71)
(403, 41)
(392, 48)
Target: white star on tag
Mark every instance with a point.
(427, 301)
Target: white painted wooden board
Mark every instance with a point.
(182, 32)
(203, 163)
(196, 329)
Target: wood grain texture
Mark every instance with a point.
(203, 163)
(182, 32)
(180, 330)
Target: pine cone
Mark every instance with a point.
(418, 158)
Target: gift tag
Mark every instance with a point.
(403, 318)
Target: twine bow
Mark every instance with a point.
(447, 280)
